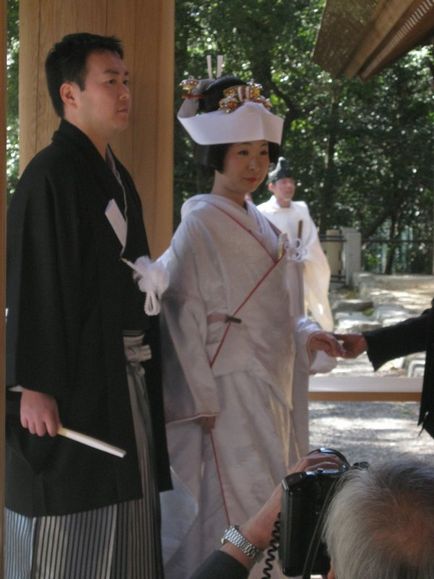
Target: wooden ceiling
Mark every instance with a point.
(361, 37)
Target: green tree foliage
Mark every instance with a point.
(362, 152)
(12, 148)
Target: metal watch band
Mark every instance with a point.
(232, 535)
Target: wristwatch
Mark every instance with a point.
(232, 535)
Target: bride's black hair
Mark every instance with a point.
(214, 92)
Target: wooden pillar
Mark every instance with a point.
(3, 260)
(146, 28)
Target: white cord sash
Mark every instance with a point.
(152, 278)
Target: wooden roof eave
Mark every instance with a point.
(363, 48)
(386, 16)
(343, 25)
(415, 28)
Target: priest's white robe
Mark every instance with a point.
(227, 261)
(316, 269)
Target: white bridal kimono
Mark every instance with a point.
(231, 320)
(316, 269)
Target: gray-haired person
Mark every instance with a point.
(380, 525)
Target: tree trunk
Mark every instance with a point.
(328, 188)
(391, 250)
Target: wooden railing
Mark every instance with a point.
(365, 388)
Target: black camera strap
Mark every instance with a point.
(318, 531)
(317, 534)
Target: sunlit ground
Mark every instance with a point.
(369, 431)
(374, 431)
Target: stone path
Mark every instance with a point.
(375, 430)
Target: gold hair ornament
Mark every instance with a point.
(188, 85)
(235, 96)
(192, 87)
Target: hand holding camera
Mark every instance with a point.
(258, 529)
(305, 499)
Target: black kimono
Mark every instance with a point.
(407, 337)
(220, 564)
(69, 298)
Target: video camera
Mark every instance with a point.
(305, 500)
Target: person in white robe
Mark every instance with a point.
(293, 218)
(230, 352)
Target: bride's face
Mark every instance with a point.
(245, 167)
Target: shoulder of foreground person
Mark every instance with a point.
(219, 565)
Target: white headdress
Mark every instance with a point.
(243, 115)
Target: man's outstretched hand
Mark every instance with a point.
(352, 344)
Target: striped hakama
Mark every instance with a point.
(120, 541)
